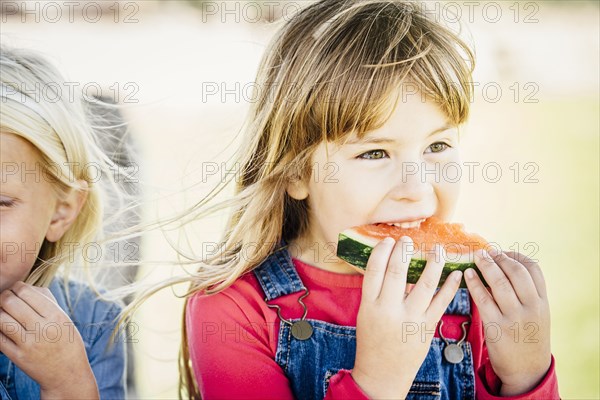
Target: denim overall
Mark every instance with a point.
(310, 363)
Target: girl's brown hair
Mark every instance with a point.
(329, 71)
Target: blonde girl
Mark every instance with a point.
(349, 92)
(54, 331)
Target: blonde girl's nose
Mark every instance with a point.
(414, 183)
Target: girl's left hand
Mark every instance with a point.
(37, 335)
(516, 318)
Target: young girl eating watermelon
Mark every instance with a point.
(55, 332)
(350, 94)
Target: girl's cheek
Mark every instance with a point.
(16, 261)
(15, 264)
(20, 244)
(447, 194)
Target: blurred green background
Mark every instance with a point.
(545, 60)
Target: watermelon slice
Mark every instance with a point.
(355, 245)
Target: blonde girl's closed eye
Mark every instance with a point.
(51, 204)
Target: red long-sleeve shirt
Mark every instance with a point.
(233, 339)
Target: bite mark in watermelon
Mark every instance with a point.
(356, 244)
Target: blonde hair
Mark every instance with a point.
(329, 71)
(38, 107)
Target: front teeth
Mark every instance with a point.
(406, 225)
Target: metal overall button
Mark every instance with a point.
(453, 352)
(302, 329)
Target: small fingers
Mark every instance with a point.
(444, 296)
(10, 327)
(40, 299)
(376, 269)
(394, 283)
(44, 291)
(427, 284)
(481, 296)
(501, 286)
(22, 312)
(7, 346)
(519, 276)
(534, 271)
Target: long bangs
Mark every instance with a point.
(366, 57)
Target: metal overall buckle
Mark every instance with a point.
(302, 329)
(453, 352)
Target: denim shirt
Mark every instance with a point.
(309, 364)
(95, 321)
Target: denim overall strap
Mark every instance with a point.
(277, 275)
(309, 364)
(460, 304)
(3, 393)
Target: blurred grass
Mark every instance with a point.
(560, 214)
(574, 248)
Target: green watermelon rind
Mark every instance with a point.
(356, 253)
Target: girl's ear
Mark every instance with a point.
(297, 189)
(66, 212)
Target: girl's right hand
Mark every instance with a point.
(394, 331)
(58, 363)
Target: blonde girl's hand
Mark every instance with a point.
(37, 335)
(394, 331)
(516, 318)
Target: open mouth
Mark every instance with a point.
(405, 225)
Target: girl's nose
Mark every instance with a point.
(413, 183)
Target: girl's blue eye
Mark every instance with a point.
(373, 152)
(438, 147)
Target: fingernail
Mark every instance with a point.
(389, 240)
(493, 251)
(458, 276)
(478, 255)
(469, 273)
(485, 255)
